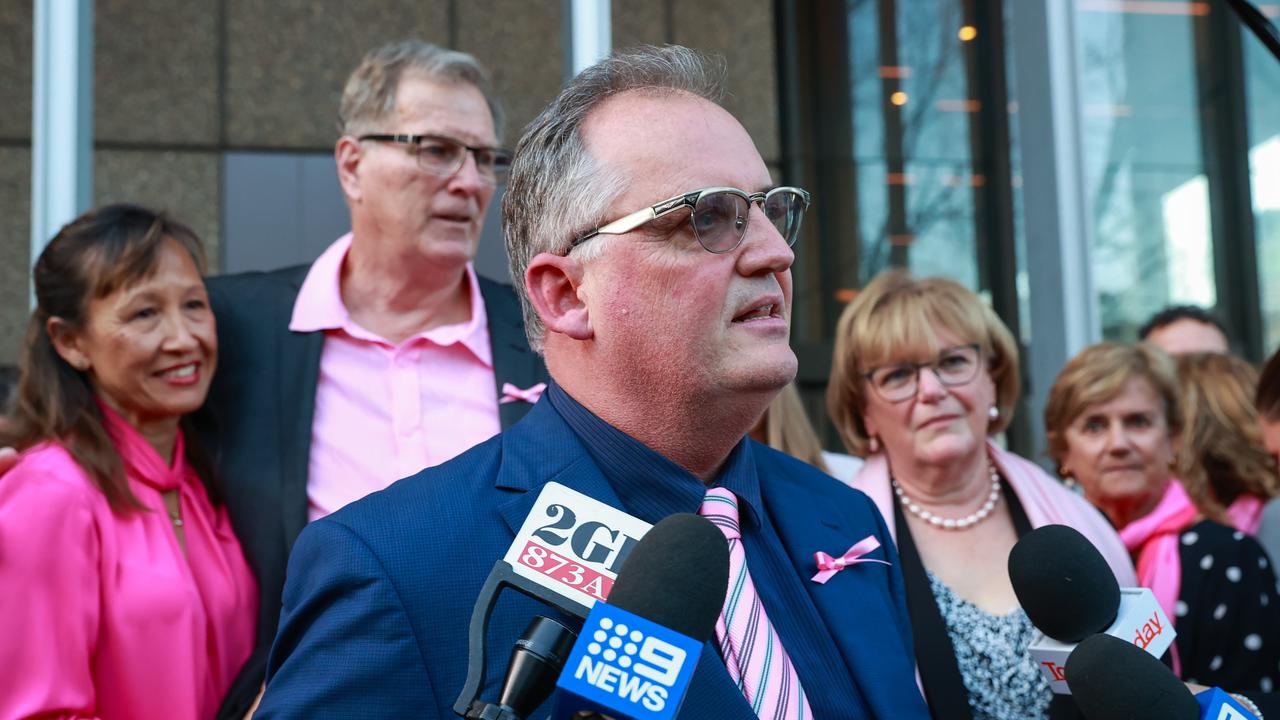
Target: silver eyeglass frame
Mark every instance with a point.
(628, 223)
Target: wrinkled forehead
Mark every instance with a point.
(914, 330)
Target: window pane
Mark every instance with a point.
(1144, 167)
(1262, 88)
(913, 147)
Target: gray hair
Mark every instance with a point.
(556, 190)
(369, 96)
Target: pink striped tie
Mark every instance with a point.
(752, 650)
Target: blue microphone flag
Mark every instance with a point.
(1215, 704)
(625, 666)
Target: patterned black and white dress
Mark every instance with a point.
(1003, 681)
(1228, 610)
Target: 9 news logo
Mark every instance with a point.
(639, 668)
(629, 665)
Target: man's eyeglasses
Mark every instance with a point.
(444, 156)
(954, 366)
(719, 215)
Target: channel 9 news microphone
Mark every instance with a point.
(1112, 679)
(636, 653)
(1069, 593)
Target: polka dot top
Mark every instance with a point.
(995, 664)
(1228, 612)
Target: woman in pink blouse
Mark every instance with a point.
(123, 592)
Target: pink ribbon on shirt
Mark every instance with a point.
(511, 393)
(829, 566)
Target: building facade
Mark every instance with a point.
(1080, 163)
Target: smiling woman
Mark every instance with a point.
(1114, 421)
(125, 591)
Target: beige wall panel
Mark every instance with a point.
(15, 67)
(15, 249)
(156, 71)
(519, 41)
(185, 184)
(639, 22)
(744, 36)
(288, 59)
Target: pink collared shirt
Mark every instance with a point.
(387, 410)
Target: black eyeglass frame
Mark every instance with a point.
(932, 365)
(628, 223)
(501, 156)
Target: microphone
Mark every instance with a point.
(1112, 679)
(637, 651)
(566, 555)
(1069, 593)
(536, 660)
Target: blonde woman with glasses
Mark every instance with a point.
(924, 376)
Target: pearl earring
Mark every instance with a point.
(873, 444)
(993, 412)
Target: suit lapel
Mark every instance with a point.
(855, 619)
(298, 365)
(513, 361)
(541, 449)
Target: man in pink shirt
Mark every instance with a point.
(386, 355)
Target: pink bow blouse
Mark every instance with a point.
(101, 615)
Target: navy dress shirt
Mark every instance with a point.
(652, 487)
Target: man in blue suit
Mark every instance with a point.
(664, 322)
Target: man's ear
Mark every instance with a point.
(347, 154)
(67, 342)
(552, 282)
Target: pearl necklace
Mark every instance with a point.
(963, 523)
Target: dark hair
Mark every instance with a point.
(1267, 397)
(1174, 313)
(91, 257)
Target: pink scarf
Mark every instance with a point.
(1245, 514)
(1154, 537)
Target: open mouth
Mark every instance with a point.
(760, 312)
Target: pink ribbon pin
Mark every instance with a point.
(511, 393)
(829, 566)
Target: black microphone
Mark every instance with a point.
(636, 653)
(536, 662)
(1069, 592)
(1063, 584)
(1112, 679)
(566, 556)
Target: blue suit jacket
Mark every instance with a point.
(379, 595)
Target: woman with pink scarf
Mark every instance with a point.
(123, 591)
(1114, 422)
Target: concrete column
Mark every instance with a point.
(1059, 235)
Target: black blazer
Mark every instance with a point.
(257, 424)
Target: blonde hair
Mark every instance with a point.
(1222, 454)
(897, 317)
(1098, 374)
(787, 429)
